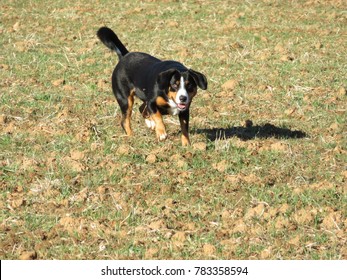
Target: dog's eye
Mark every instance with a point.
(174, 86)
(189, 87)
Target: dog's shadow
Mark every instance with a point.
(251, 132)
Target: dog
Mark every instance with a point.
(165, 87)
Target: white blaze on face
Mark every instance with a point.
(182, 97)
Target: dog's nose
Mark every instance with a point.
(183, 98)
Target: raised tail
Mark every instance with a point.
(110, 40)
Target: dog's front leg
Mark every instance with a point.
(156, 116)
(184, 121)
(159, 126)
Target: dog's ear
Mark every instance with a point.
(199, 79)
(164, 78)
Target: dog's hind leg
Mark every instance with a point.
(126, 102)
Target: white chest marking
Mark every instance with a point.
(173, 107)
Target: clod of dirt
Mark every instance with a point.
(74, 164)
(257, 211)
(265, 254)
(225, 215)
(287, 58)
(281, 223)
(103, 84)
(271, 213)
(200, 146)
(28, 255)
(334, 127)
(323, 185)
(28, 163)
(157, 225)
(81, 196)
(151, 158)
(17, 202)
(294, 241)
(189, 227)
(178, 160)
(304, 216)
(229, 244)
(209, 249)
(151, 252)
(221, 166)
(250, 179)
(3, 119)
(58, 82)
(169, 202)
(68, 223)
(179, 236)
(344, 253)
(279, 48)
(178, 239)
(123, 150)
(332, 221)
(102, 192)
(173, 23)
(68, 88)
(284, 208)
(239, 227)
(230, 85)
(4, 67)
(279, 147)
(290, 111)
(342, 92)
(318, 46)
(19, 189)
(16, 26)
(229, 23)
(77, 155)
(233, 179)
(237, 46)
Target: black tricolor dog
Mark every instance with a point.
(165, 87)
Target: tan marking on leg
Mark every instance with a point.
(184, 129)
(159, 126)
(185, 140)
(185, 134)
(127, 117)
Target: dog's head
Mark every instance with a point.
(181, 87)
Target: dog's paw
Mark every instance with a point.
(185, 141)
(161, 136)
(150, 123)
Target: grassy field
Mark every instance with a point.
(265, 177)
